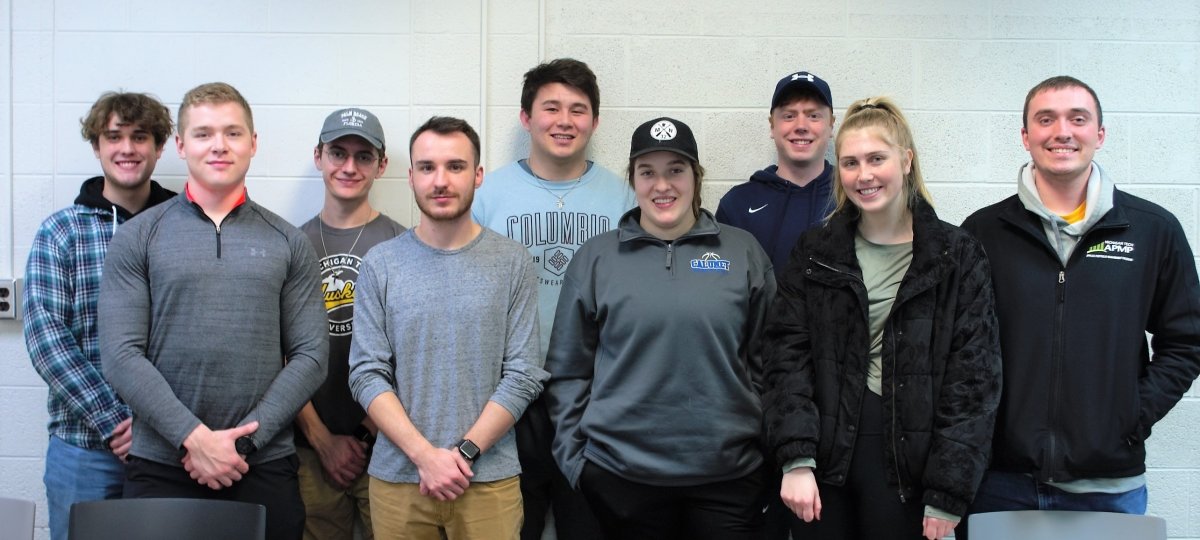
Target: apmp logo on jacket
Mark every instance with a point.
(1111, 249)
(710, 262)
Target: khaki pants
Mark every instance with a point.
(486, 511)
(331, 511)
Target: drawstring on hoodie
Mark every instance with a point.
(114, 210)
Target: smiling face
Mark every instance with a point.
(871, 173)
(217, 145)
(1062, 134)
(665, 186)
(801, 130)
(127, 154)
(560, 123)
(444, 175)
(349, 166)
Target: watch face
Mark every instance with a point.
(469, 450)
(244, 446)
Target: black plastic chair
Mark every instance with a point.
(1057, 525)
(177, 519)
(16, 519)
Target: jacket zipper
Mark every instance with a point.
(892, 338)
(895, 447)
(670, 257)
(1059, 310)
(218, 240)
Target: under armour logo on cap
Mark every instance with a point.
(801, 81)
(664, 130)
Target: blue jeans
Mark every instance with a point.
(1002, 492)
(75, 474)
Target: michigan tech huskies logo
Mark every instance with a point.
(1111, 249)
(338, 275)
(710, 262)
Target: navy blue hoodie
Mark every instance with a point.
(777, 211)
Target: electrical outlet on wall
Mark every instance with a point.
(10, 298)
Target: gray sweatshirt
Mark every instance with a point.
(654, 360)
(447, 331)
(196, 321)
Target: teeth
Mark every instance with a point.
(869, 191)
(663, 200)
(1062, 150)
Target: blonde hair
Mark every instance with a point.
(882, 117)
(214, 93)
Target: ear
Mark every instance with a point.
(317, 157)
(524, 119)
(253, 144)
(478, 176)
(1100, 137)
(179, 146)
(383, 163)
(908, 158)
(1025, 138)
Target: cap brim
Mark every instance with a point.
(645, 151)
(330, 136)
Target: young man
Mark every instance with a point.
(445, 355)
(552, 202)
(334, 437)
(204, 298)
(782, 201)
(1081, 388)
(89, 425)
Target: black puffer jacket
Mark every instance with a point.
(941, 361)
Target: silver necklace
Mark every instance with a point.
(559, 201)
(321, 225)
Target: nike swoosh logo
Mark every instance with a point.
(753, 210)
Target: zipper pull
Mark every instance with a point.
(902, 497)
(670, 247)
(1062, 276)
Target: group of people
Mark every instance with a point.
(822, 358)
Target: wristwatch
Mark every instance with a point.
(245, 446)
(468, 449)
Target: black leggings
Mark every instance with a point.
(865, 507)
(627, 510)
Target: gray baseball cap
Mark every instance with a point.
(353, 121)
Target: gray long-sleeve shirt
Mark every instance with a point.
(196, 321)
(447, 331)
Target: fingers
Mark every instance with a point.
(464, 467)
(244, 430)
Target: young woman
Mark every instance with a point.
(882, 354)
(654, 361)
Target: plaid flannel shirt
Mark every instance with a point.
(62, 284)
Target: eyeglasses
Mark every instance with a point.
(338, 157)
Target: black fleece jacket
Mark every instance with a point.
(941, 361)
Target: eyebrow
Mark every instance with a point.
(1073, 110)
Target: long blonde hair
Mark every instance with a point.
(883, 118)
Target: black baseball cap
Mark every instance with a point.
(801, 80)
(664, 134)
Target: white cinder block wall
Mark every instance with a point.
(960, 68)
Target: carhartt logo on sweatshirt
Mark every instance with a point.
(1111, 249)
(710, 262)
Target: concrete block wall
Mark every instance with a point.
(960, 68)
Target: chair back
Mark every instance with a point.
(1061, 525)
(16, 519)
(178, 519)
